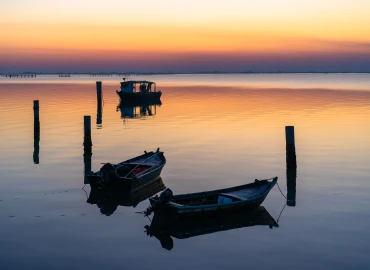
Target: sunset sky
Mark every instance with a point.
(184, 36)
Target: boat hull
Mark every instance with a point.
(128, 184)
(169, 210)
(139, 96)
(134, 180)
(184, 210)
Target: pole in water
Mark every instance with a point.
(36, 132)
(291, 159)
(87, 147)
(87, 130)
(99, 112)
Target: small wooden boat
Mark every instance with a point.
(246, 197)
(163, 228)
(129, 174)
(109, 200)
(146, 91)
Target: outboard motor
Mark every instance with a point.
(163, 199)
(108, 174)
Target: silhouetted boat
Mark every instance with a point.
(163, 228)
(129, 174)
(138, 109)
(109, 200)
(247, 196)
(146, 91)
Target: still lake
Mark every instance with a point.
(216, 131)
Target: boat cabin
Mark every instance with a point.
(138, 86)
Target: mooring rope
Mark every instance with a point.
(281, 191)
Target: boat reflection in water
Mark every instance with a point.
(109, 200)
(164, 229)
(138, 109)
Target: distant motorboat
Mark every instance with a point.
(136, 91)
(129, 174)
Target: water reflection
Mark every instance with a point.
(36, 141)
(99, 116)
(109, 200)
(164, 229)
(138, 110)
(291, 176)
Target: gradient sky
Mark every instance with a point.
(184, 36)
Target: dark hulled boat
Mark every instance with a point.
(163, 228)
(243, 197)
(130, 174)
(138, 91)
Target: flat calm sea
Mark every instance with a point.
(216, 131)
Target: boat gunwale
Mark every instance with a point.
(175, 205)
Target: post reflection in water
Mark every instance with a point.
(87, 163)
(164, 228)
(99, 117)
(109, 200)
(137, 109)
(291, 176)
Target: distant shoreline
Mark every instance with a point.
(171, 73)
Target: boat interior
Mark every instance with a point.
(249, 192)
(138, 165)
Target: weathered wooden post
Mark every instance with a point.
(99, 113)
(291, 165)
(87, 147)
(36, 132)
(291, 159)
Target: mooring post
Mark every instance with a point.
(87, 147)
(99, 104)
(87, 131)
(291, 165)
(291, 159)
(36, 132)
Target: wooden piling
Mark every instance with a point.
(291, 159)
(87, 131)
(99, 100)
(87, 147)
(99, 93)
(36, 132)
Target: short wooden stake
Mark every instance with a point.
(99, 112)
(291, 159)
(36, 132)
(87, 147)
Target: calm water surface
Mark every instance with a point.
(216, 131)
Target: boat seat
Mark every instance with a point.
(231, 196)
(176, 204)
